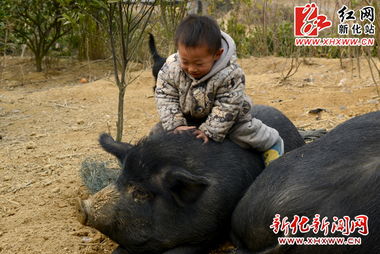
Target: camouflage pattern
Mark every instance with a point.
(219, 100)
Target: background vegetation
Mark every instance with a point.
(76, 28)
(81, 29)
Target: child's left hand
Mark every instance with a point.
(200, 134)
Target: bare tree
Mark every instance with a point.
(127, 21)
(289, 71)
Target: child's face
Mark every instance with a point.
(197, 61)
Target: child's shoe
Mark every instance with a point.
(274, 152)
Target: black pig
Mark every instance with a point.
(176, 194)
(337, 175)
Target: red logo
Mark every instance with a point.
(308, 22)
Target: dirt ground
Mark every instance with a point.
(50, 122)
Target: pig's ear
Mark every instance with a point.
(184, 186)
(118, 149)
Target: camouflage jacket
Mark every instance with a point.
(217, 100)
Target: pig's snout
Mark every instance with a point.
(82, 211)
(98, 210)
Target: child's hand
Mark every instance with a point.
(181, 128)
(200, 134)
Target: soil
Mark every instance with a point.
(50, 123)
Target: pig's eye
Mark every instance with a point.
(140, 195)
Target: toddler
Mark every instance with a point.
(201, 87)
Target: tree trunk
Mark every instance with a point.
(38, 63)
(120, 113)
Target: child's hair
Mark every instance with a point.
(197, 30)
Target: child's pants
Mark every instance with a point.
(254, 134)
